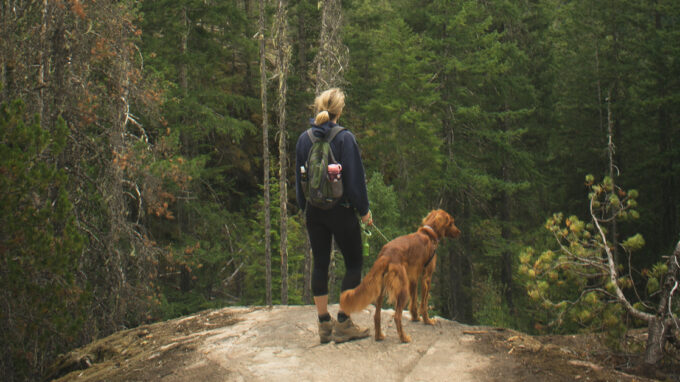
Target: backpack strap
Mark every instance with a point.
(312, 136)
(331, 135)
(334, 131)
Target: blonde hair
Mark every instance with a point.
(329, 105)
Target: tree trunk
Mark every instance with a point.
(506, 219)
(183, 76)
(265, 158)
(42, 59)
(60, 67)
(612, 167)
(283, 59)
(506, 257)
(656, 339)
(448, 266)
(333, 57)
(659, 326)
(302, 47)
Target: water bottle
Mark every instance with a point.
(334, 170)
(364, 239)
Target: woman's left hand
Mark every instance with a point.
(368, 218)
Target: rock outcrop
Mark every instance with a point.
(282, 344)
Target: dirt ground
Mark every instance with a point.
(244, 344)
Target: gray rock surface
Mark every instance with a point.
(282, 344)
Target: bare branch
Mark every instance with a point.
(228, 280)
(670, 304)
(621, 298)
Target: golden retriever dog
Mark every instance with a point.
(400, 264)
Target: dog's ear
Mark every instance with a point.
(438, 220)
(442, 223)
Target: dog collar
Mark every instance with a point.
(432, 232)
(435, 238)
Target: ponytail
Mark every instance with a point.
(322, 117)
(329, 105)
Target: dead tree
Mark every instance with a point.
(283, 49)
(660, 325)
(332, 59)
(663, 319)
(265, 157)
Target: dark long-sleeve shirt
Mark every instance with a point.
(346, 152)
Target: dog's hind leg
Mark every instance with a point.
(379, 336)
(402, 294)
(398, 310)
(413, 304)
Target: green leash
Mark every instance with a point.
(381, 234)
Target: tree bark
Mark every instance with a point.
(283, 59)
(610, 151)
(656, 339)
(302, 47)
(42, 59)
(661, 323)
(506, 257)
(265, 157)
(183, 76)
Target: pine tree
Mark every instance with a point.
(389, 104)
(206, 144)
(484, 104)
(43, 304)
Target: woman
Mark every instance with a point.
(339, 222)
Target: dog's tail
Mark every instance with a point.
(353, 300)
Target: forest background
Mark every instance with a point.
(136, 185)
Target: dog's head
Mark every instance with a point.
(442, 223)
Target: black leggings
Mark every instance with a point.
(342, 224)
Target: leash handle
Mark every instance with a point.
(364, 228)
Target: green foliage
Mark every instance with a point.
(251, 244)
(42, 303)
(491, 110)
(385, 210)
(574, 282)
(490, 307)
(393, 121)
(201, 169)
(209, 97)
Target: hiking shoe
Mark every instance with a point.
(347, 331)
(326, 331)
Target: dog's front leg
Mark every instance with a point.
(379, 336)
(427, 281)
(413, 305)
